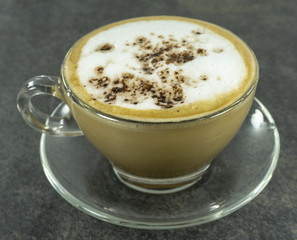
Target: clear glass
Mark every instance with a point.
(83, 177)
(35, 112)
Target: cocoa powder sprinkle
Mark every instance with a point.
(203, 77)
(106, 47)
(153, 57)
(100, 69)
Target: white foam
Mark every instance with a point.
(224, 70)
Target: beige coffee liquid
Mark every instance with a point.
(160, 68)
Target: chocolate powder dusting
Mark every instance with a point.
(105, 48)
(198, 32)
(201, 52)
(154, 60)
(168, 51)
(100, 82)
(178, 58)
(203, 77)
(100, 69)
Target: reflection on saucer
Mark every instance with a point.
(257, 119)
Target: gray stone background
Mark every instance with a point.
(34, 37)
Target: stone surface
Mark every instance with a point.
(35, 36)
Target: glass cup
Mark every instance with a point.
(153, 157)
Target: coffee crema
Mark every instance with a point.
(159, 68)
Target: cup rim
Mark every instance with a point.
(111, 117)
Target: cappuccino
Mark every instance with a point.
(159, 69)
(159, 97)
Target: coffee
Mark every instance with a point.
(160, 97)
(160, 69)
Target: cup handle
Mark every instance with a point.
(60, 122)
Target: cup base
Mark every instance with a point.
(159, 185)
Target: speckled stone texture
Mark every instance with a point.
(34, 37)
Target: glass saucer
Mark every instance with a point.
(83, 177)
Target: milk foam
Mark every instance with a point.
(159, 64)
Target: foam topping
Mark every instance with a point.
(159, 64)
